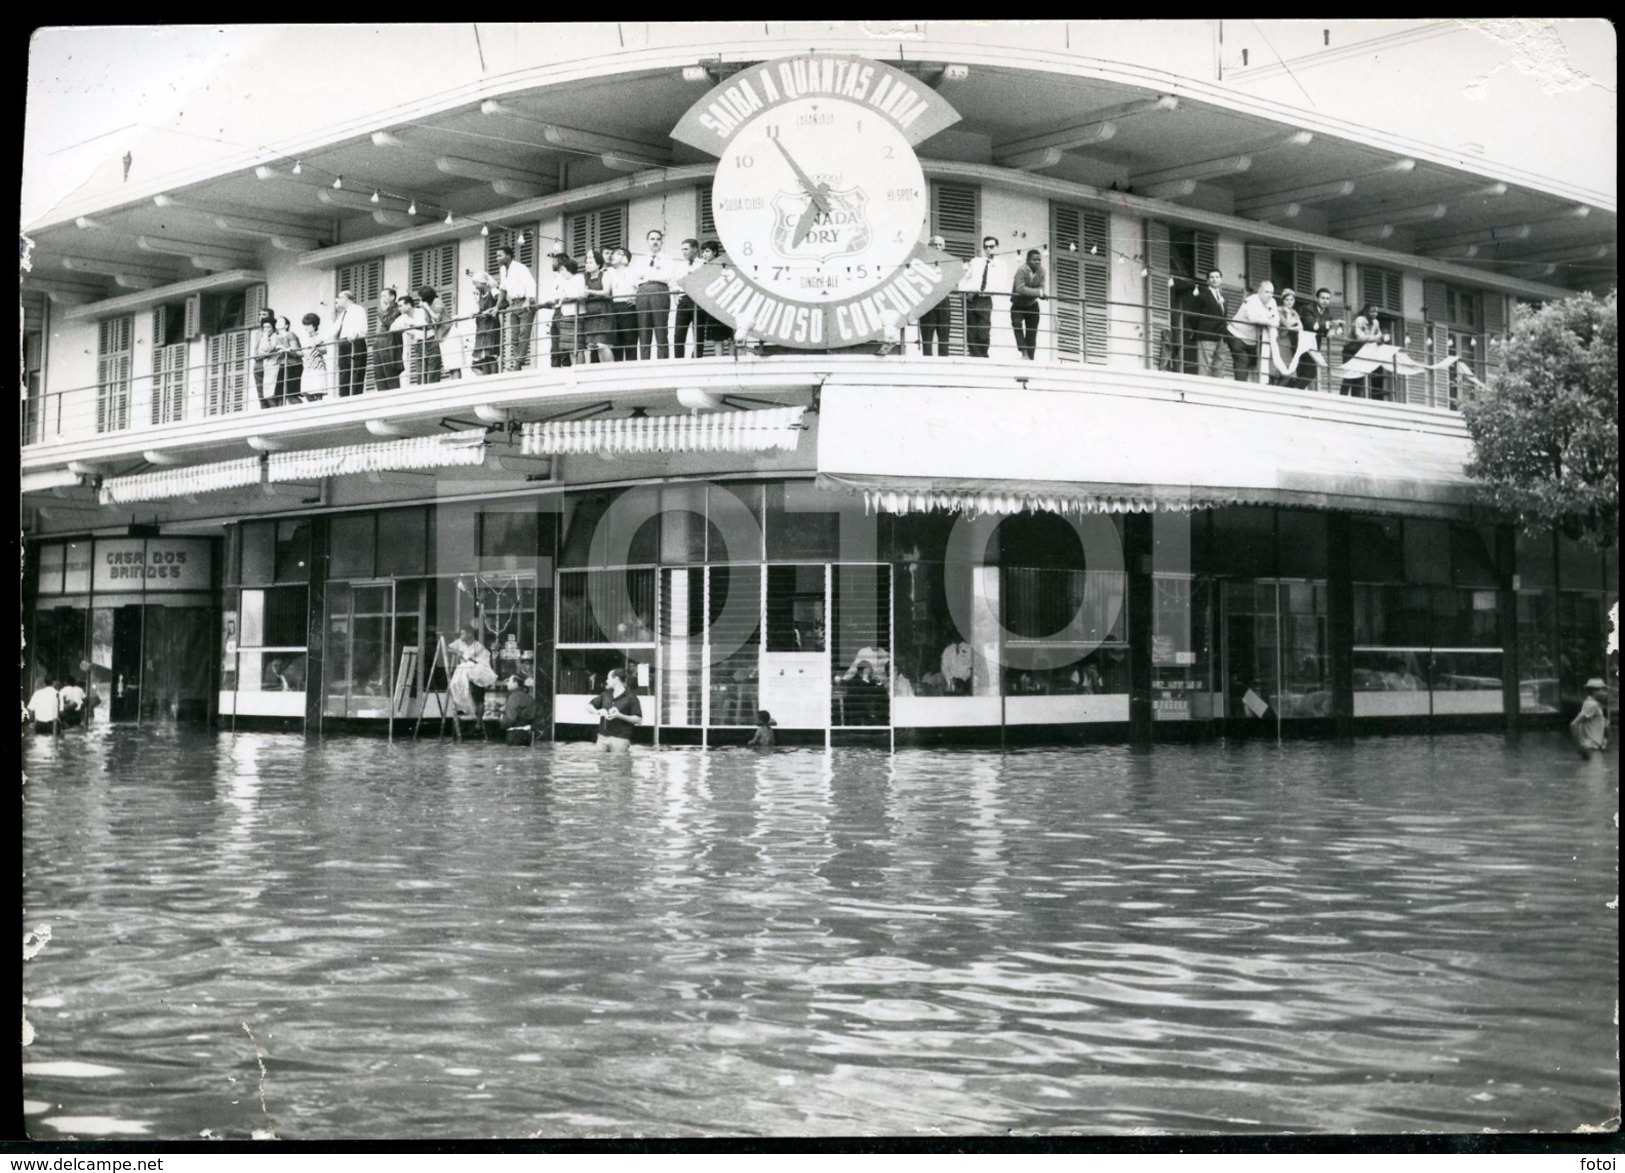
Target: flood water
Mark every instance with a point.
(443, 940)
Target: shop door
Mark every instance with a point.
(1276, 665)
(795, 681)
(125, 702)
(359, 660)
(861, 670)
(178, 672)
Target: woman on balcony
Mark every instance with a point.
(426, 322)
(706, 326)
(597, 317)
(623, 292)
(1286, 341)
(291, 387)
(1367, 328)
(313, 383)
(1025, 293)
(267, 360)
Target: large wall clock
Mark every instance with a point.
(819, 200)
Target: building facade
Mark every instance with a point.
(882, 542)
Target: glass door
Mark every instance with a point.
(359, 660)
(1276, 661)
(125, 651)
(861, 682)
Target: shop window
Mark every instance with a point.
(723, 501)
(862, 646)
(352, 546)
(682, 524)
(1040, 539)
(1580, 568)
(1244, 542)
(1534, 561)
(1472, 558)
(292, 551)
(1427, 552)
(802, 522)
(590, 512)
(796, 620)
(607, 606)
(1302, 544)
(1377, 549)
(508, 534)
(1068, 628)
(586, 671)
(258, 553)
(402, 542)
(935, 656)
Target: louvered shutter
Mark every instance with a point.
(1082, 274)
(524, 251)
(436, 267)
(1495, 328)
(1162, 339)
(604, 228)
(1382, 288)
(1207, 254)
(956, 213)
(1303, 274)
(228, 374)
(1439, 381)
(168, 371)
(707, 220)
(114, 340)
(365, 281)
(1417, 389)
(1435, 306)
(254, 302)
(193, 326)
(1258, 264)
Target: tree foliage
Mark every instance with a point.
(1546, 431)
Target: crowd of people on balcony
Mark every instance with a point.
(617, 305)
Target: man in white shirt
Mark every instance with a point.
(957, 662)
(984, 276)
(654, 297)
(350, 340)
(1256, 314)
(518, 288)
(44, 706)
(686, 317)
(935, 321)
(72, 703)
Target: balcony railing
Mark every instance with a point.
(232, 380)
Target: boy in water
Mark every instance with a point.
(763, 737)
(1590, 728)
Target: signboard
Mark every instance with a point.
(76, 568)
(819, 201)
(151, 564)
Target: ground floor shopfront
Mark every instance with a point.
(722, 599)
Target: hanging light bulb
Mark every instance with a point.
(298, 167)
(413, 209)
(1071, 246)
(1094, 250)
(448, 217)
(1170, 283)
(375, 195)
(338, 182)
(518, 240)
(485, 230)
(1121, 258)
(1144, 272)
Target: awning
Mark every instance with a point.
(727, 431)
(453, 450)
(988, 450)
(181, 482)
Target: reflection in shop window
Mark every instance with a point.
(585, 671)
(607, 606)
(1066, 631)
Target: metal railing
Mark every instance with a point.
(543, 340)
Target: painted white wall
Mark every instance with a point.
(1126, 341)
(1020, 222)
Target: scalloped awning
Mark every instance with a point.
(462, 449)
(181, 482)
(727, 431)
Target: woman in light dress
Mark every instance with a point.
(313, 383)
(267, 360)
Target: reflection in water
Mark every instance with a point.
(480, 941)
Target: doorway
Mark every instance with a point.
(1276, 653)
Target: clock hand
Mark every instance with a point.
(815, 191)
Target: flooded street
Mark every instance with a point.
(441, 940)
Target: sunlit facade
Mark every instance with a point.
(1100, 541)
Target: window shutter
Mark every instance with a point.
(1207, 254)
(114, 337)
(1435, 307)
(32, 347)
(603, 228)
(1439, 380)
(956, 213)
(228, 375)
(194, 316)
(1303, 274)
(436, 267)
(1258, 264)
(254, 302)
(1415, 341)
(523, 251)
(1080, 330)
(1382, 288)
(365, 281)
(577, 235)
(1495, 313)
(708, 221)
(1494, 334)
(160, 320)
(1161, 340)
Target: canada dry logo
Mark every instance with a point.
(820, 225)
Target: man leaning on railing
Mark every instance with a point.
(1254, 316)
(350, 342)
(519, 300)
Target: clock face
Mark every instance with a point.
(819, 197)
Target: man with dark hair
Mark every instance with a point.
(386, 363)
(1207, 324)
(519, 299)
(45, 706)
(686, 309)
(519, 713)
(1317, 321)
(984, 276)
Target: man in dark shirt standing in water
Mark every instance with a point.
(618, 714)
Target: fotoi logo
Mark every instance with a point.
(819, 201)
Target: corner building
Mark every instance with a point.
(1102, 541)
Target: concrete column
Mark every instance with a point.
(1340, 622)
(1137, 546)
(1506, 610)
(316, 629)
